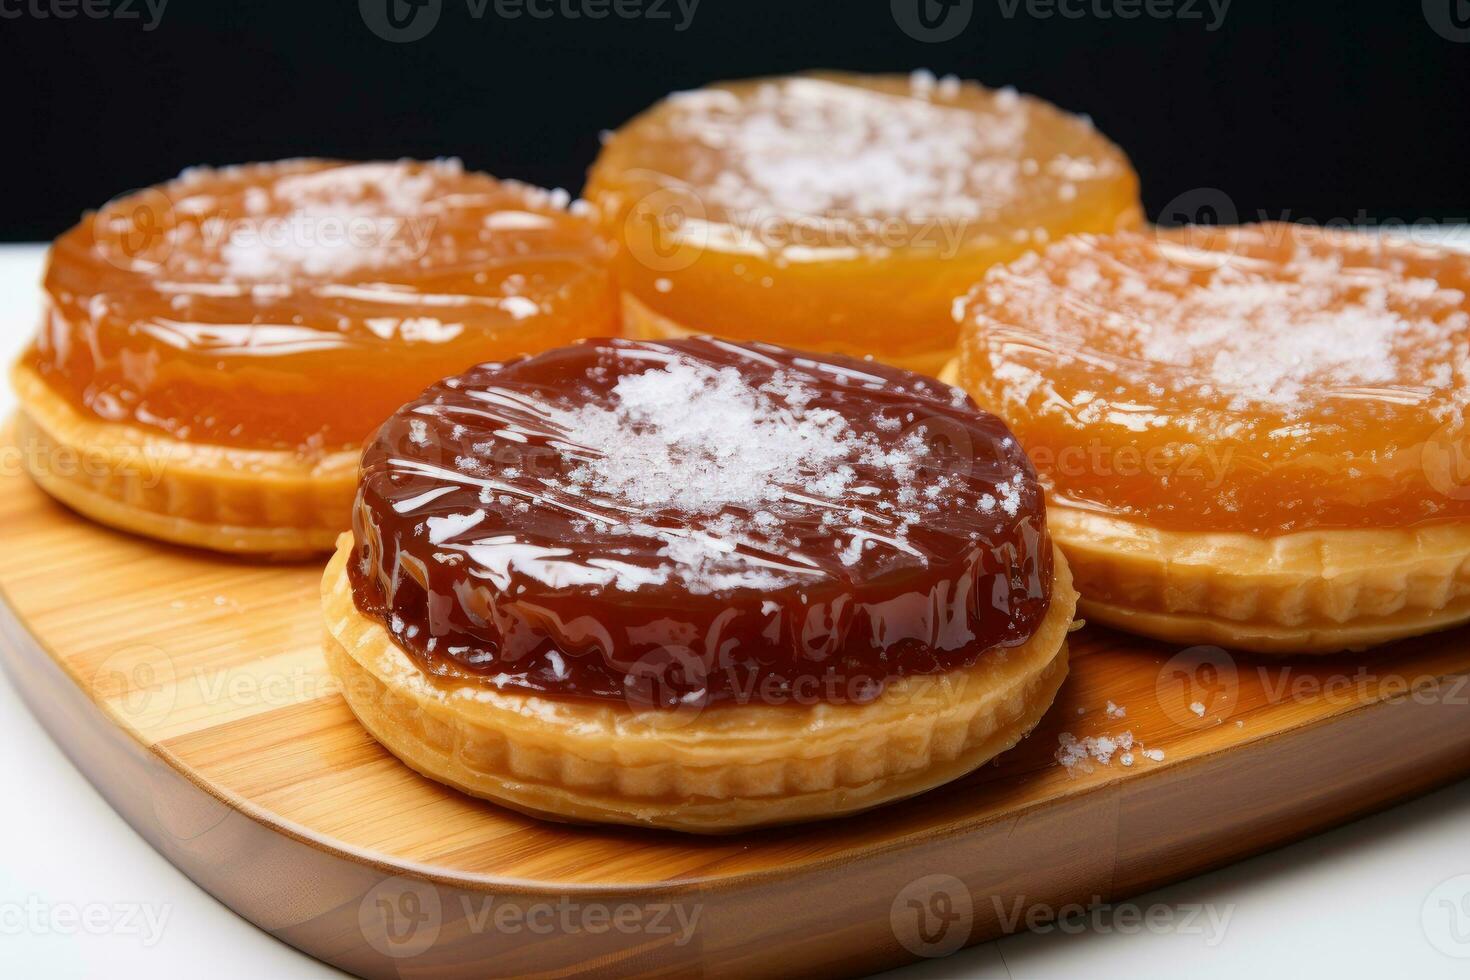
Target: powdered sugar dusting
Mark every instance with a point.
(328, 223)
(700, 439)
(1265, 340)
(829, 145)
(1276, 330)
(260, 226)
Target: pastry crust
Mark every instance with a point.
(245, 501)
(642, 323)
(724, 769)
(1308, 592)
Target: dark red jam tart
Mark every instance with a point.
(734, 521)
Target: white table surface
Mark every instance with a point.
(1366, 900)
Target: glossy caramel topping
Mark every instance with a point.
(1263, 379)
(698, 521)
(845, 212)
(295, 305)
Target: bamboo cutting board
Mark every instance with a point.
(191, 691)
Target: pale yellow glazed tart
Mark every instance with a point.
(1309, 592)
(841, 212)
(695, 585)
(1250, 437)
(214, 350)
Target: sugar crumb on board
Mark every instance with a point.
(1078, 755)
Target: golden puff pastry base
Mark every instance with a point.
(1306, 592)
(642, 323)
(259, 502)
(724, 769)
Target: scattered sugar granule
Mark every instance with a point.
(336, 221)
(1073, 752)
(1258, 327)
(1078, 754)
(1197, 708)
(1102, 749)
(702, 439)
(813, 146)
(1114, 711)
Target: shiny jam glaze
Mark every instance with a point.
(698, 521)
(845, 212)
(295, 305)
(1263, 379)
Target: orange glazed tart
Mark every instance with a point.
(843, 212)
(1250, 436)
(215, 350)
(697, 585)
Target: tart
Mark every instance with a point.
(215, 350)
(843, 212)
(696, 585)
(1250, 436)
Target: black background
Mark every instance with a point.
(1323, 111)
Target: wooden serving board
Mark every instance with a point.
(191, 691)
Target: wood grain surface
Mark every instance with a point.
(191, 690)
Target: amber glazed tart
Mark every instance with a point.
(843, 212)
(215, 350)
(696, 585)
(1250, 436)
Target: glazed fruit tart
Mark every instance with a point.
(216, 349)
(843, 212)
(1250, 436)
(697, 585)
